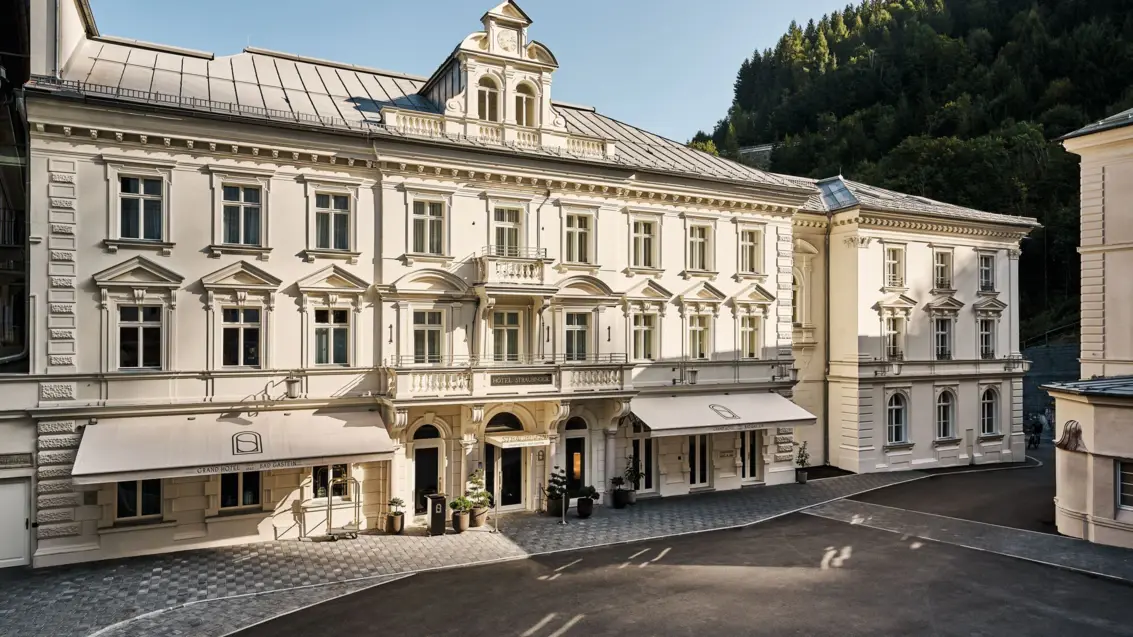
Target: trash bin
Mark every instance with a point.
(436, 515)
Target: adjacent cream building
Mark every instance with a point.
(270, 293)
(1094, 457)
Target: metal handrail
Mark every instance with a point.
(413, 361)
(513, 252)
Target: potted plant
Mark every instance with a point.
(556, 492)
(621, 496)
(395, 519)
(481, 499)
(586, 497)
(633, 475)
(460, 509)
(802, 461)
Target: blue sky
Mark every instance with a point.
(663, 65)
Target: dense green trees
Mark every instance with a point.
(958, 100)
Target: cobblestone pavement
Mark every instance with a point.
(1056, 550)
(82, 599)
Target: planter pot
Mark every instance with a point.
(478, 517)
(395, 522)
(621, 498)
(555, 507)
(585, 507)
(800, 476)
(631, 496)
(460, 521)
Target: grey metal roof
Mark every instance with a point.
(289, 88)
(1110, 386)
(838, 193)
(1124, 118)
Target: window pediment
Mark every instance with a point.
(947, 305)
(896, 304)
(648, 290)
(753, 294)
(585, 289)
(701, 297)
(332, 280)
(240, 276)
(138, 272)
(989, 306)
(427, 281)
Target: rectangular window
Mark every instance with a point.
(139, 337)
(749, 455)
(428, 227)
(644, 333)
(942, 337)
(241, 215)
(749, 251)
(894, 267)
(139, 499)
(427, 333)
(577, 335)
(987, 272)
(332, 222)
(507, 232)
(894, 338)
(699, 471)
(141, 208)
(505, 336)
(332, 337)
(1125, 485)
(644, 239)
(698, 333)
(330, 480)
(942, 270)
(698, 249)
(241, 330)
(749, 337)
(987, 339)
(577, 239)
(241, 489)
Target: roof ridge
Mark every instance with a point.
(153, 46)
(255, 50)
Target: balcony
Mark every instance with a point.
(511, 266)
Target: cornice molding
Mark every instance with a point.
(917, 224)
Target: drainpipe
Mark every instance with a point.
(826, 346)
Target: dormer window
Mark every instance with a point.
(525, 105)
(489, 100)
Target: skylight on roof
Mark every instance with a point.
(835, 195)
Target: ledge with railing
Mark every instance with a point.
(420, 376)
(503, 264)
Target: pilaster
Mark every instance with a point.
(62, 320)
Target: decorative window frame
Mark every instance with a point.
(112, 293)
(752, 301)
(742, 226)
(639, 303)
(995, 318)
(711, 223)
(951, 252)
(950, 321)
(899, 307)
(429, 193)
(657, 218)
(511, 201)
(886, 245)
(333, 185)
(450, 319)
(981, 253)
(689, 305)
(997, 389)
(906, 393)
(803, 254)
(313, 296)
(220, 295)
(536, 106)
(952, 438)
(221, 176)
(108, 520)
(118, 166)
(214, 510)
(587, 209)
(947, 309)
(526, 329)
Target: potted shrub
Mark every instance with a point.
(633, 475)
(802, 461)
(481, 499)
(586, 498)
(460, 511)
(556, 492)
(621, 496)
(395, 519)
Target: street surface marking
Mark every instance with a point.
(566, 566)
(537, 627)
(659, 556)
(638, 553)
(835, 558)
(567, 626)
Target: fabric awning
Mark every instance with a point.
(116, 449)
(689, 414)
(517, 440)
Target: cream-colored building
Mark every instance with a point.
(270, 293)
(1094, 456)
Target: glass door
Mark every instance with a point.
(575, 466)
(699, 468)
(749, 456)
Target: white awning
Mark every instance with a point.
(117, 449)
(689, 414)
(517, 439)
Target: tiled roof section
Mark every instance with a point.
(1124, 118)
(837, 193)
(1111, 386)
(289, 88)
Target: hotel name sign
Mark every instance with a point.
(505, 380)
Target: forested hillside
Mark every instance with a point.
(958, 100)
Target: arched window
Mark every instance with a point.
(575, 424)
(525, 106)
(945, 408)
(989, 411)
(426, 432)
(489, 99)
(897, 430)
(504, 421)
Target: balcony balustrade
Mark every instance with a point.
(510, 265)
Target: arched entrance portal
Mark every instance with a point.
(428, 451)
(504, 468)
(576, 439)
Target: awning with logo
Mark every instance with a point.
(116, 449)
(517, 440)
(690, 414)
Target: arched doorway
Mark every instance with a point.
(576, 440)
(504, 468)
(428, 459)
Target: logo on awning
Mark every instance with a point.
(724, 412)
(246, 442)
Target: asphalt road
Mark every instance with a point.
(1018, 498)
(798, 575)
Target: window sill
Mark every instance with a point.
(588, 268)
(750, 276)
(237, 515)
(987, 293)
(894, 289)
(113, 245)
(217, 249)
(123, 526)
(409, 258)
(653, 272)
(945, 442)
(942, 291)
(311, 254)
(699, 274)
(990, 437)
(897, 446)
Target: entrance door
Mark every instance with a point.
(426, 469)
(575, 466)
(14, 523)
(509, 464)
(749, 453)
(699, 468)
(643, 452)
